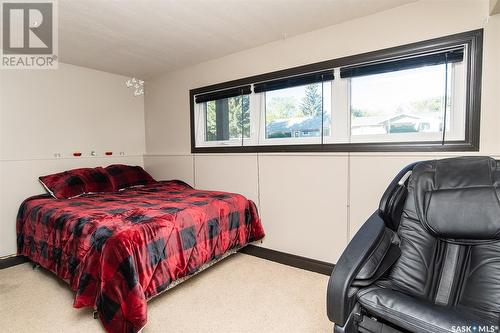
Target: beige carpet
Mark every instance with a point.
(240, 294)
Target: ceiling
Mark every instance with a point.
(149, 37)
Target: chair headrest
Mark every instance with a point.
(458, 198)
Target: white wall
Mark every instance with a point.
(311, 204)
(70, 109)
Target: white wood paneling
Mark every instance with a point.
(304, 204)
(230, 173)
(167, 167)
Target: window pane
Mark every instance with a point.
(211, 126)
(297, 112)
(407, 101)
(227, 119)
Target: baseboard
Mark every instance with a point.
(289, 259)
(12, 261)
(256, 251)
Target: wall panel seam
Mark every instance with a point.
(348, 198)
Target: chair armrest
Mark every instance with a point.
(363, 256)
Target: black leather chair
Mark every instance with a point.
(428, 260)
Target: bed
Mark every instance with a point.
(117, 250)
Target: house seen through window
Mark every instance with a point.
(298, 112)
(408, 101)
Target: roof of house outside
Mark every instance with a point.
(400, 118)
(297, 124)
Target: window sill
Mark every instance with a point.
(435, 146)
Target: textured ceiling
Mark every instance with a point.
(149, 37)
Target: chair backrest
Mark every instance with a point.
(450, 235)
(458, 199)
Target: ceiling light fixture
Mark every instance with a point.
(137, 84)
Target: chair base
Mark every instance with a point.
(365, 324)
(370, 325)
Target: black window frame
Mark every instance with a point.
(474, 41)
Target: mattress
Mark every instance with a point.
(117, 250)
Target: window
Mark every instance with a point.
(418, 97)
(224, 117)
(410, 103)
(227, 119)
(298, 112)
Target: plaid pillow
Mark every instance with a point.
(73, 183)
(123, 176)
(98, 180)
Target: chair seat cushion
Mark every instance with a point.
(418, 315)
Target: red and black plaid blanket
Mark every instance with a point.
(117, 250)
